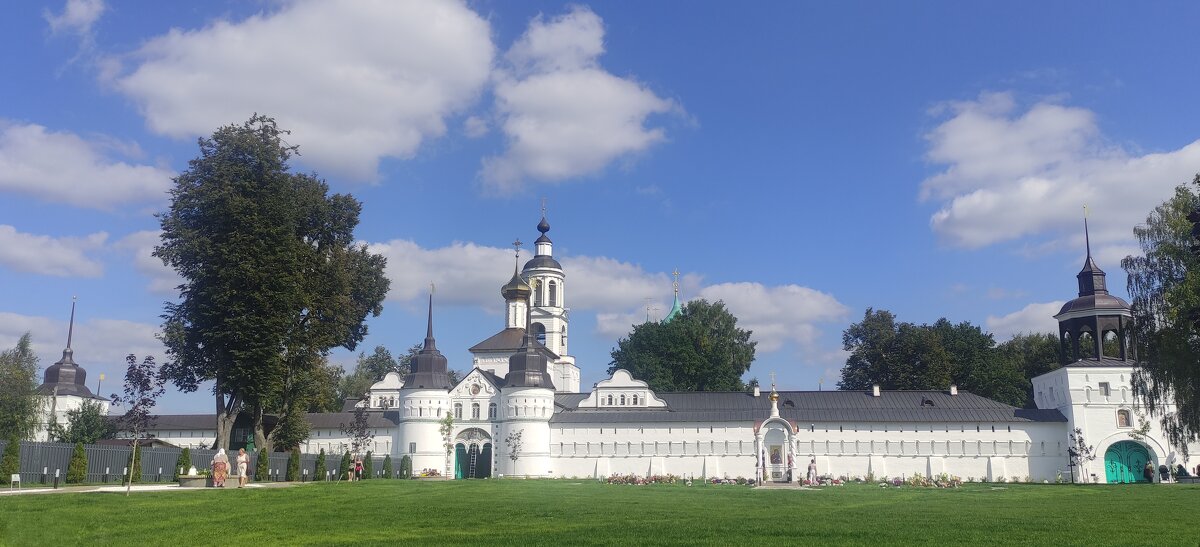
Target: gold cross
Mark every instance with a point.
(517, 245)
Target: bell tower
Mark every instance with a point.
(1094, 316)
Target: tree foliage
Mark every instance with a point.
(344, 465)
(321, 469)
(702, 349)
(19, 400)
(262, 467)
(10, 462)
(86, 424)
(387, 466)
(182, 464)
(293, 466)
(902, 355)
(368, 466)
(406, 467)
(372, 368)
(77, 467)
(1164, 285)
(272, 276)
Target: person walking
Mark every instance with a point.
(358, 469)
(243, 464)
(812, 472)
(220, 467)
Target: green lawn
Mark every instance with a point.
(584, 512)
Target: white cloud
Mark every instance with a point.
(617, 292)
(463, 273)
(1010, 175)
(778, 314)
(354, 80)
(77, 16)
(563, 116)
(46, 255)
(62, 167)
(140, 246)
(100, 345)
(1032, 319)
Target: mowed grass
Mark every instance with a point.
(564, 512)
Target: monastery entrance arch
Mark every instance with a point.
(1125, 461)
(473, 454)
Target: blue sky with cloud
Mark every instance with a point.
(801, 161)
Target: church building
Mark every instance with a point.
(520, 412)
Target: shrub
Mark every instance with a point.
(10, 463)
(263, 466)
(406, 467)
(368, 467)
(293, 468)
(387, 466)
(184, 462)
(321, 470)
(77, 468)
(344, 466)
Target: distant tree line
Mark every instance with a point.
(903, 355)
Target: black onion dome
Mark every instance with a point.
(527, 367)
(543, 226)
(68, 377)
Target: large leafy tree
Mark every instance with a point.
(702, 349)
(273, 278)
(1032, 355)
(86, 424)
(19, 400)
(902, 355)
(1164, 285)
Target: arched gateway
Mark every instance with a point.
(1125, 461)
(473, 454)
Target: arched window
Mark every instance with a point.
(457, 411)
(539, 330)
(610, 400)
(622, 400)
(491, 411)
(474, 411)
(539, 299)
(553, 294)
(1123, 418)
(635, 399)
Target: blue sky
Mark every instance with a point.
(800, 161)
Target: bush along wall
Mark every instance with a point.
(406, 467)
(293, 468)
(77, 468)
(387, 466)
(321, 471)
(264, 466)
(184, 462)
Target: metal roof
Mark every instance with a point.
(809, 406)
(1101, 362)
(510, 340)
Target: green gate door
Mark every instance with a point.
(1124, 462)
(460, 461)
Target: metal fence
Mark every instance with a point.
(110, 464)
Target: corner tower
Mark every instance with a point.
(424, 400)
(528, 399)
(1093, 318)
